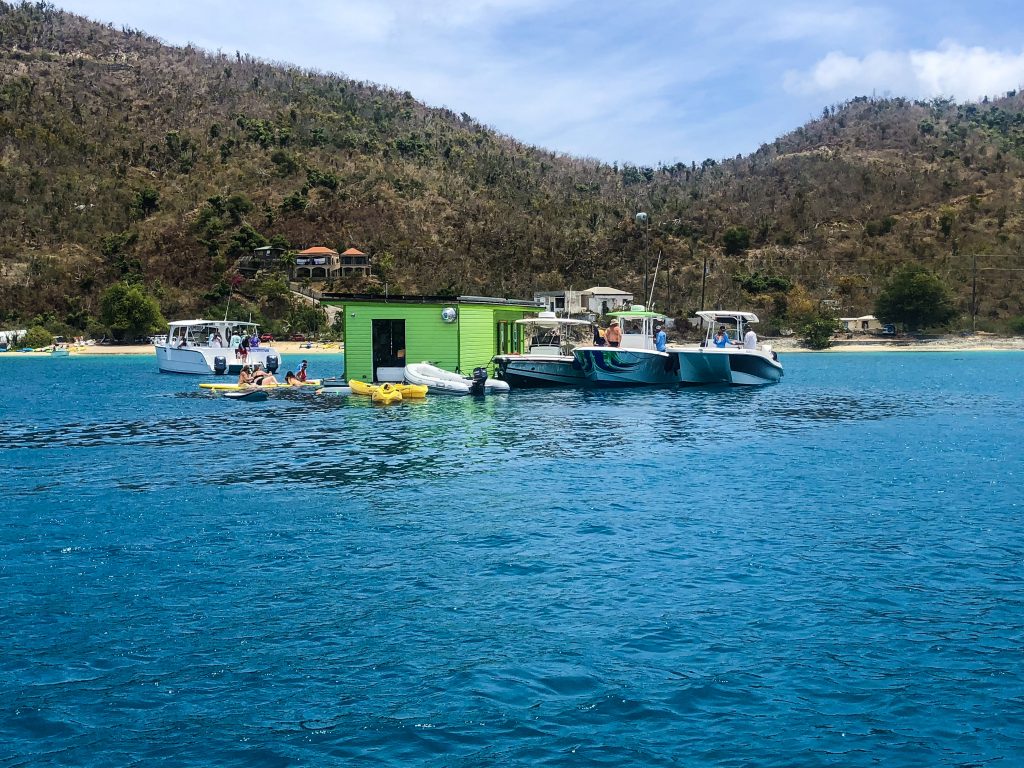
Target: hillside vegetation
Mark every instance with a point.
(124, 159)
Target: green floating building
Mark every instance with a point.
(457, 334)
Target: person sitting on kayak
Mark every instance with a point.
(262, 378)
(292, 380)
(301, 375)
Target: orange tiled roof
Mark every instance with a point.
(353, 252)
(317, 250)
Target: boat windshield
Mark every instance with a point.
(560, 336)
(209, 334)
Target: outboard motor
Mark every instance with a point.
(272, 363)
(220, 365)
(476, 387)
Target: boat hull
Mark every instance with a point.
(441, 382)
(739, 367)
(618, 367)
(201, 361)
(530, 371)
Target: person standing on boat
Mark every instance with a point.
(614, 334)
(750, 339)
(598, 336)
(721, 339)
(236, 344)
(254, 341)
(661, 339)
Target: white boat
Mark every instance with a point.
(203, 347)
(636, 362)
(548, 360)
(439, 381)
(732, 364)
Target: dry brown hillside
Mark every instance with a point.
(122, 158)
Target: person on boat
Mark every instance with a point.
(216, 340)
(614, 334)
(236, 344)
(721, 339)
(183, 343)
(598, 336)
(301, 375)
(661, 339)
(750, 339)
(254, 341)
(292, 380)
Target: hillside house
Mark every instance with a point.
(355, 263)
(317, 263)
(268, 258)
(601, 300)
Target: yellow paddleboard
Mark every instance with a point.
(236, 386)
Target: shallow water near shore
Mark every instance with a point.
(829, 571)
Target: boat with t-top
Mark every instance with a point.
(204, 347)
(636, 362)
(548, 360)
(740, 361)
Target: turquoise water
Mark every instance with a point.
(824, 572)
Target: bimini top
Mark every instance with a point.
(194, 323)
(728, 314)
(551, 320)
(626, 314)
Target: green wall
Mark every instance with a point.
(468, 342)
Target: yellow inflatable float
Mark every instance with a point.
(386, 394)
(407, 391)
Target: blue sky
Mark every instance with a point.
(646, 81)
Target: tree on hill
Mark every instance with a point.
(129, 312)
(37, 337)
(915, 298)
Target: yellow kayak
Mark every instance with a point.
(386, 394)
(236, 386)
(409, 391)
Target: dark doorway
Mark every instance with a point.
(388, 345)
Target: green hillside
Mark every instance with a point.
(122, 158)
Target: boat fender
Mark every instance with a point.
(220, 365)
(476, 386)
(272, 363)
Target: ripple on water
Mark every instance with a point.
(823, 572)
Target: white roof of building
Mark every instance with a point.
(606, 291)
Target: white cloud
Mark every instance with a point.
(950, 70)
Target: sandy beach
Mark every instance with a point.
(976, 343)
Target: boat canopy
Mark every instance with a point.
(218, 323)
(727, 314)
(626, 314)
(551, 320)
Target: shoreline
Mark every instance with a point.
(291, 348)
(784, 346)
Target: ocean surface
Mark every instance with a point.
(825, 572)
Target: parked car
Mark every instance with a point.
(267, 337)
(297, 337)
